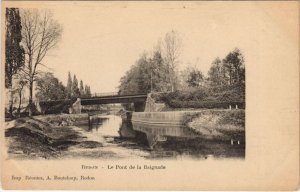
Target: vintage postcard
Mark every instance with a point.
(150, 95)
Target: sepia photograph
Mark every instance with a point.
(122, 86)
(169, 99)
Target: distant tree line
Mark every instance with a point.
(228, 71)
(49, 87)
(74, 90)
(224, 85)
(157, 71)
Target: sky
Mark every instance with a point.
(102, 40)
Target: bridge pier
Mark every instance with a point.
(76, 107)
(139, 106)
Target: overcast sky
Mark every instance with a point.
(101, 41)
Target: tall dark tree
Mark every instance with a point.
(14, 52)
(81, 89)
(75, 89)
(69, 86)
(87, 91)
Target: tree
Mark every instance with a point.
(137, 79)
(14, 52)
(217, 73)
(81, 89)
(69, 86)
(40, 34)
(195, 77)
(21, 83)
(159, 69)
(234, 64)
(49, 87)
(87, 91)
(148, 74)
(75, 89)
(172, 49)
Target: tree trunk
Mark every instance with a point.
(11, 101)
(237, 76)
(30, 105)
(20, 102)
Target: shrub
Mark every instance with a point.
(204, 97)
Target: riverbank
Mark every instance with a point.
(45, 136)
(218, 124)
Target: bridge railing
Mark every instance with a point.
(104, 94)
(113, 94)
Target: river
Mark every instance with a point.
(117, 138)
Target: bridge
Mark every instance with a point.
(100, 98)
(114, 99)
(138, 100)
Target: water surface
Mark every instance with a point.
(122, 139)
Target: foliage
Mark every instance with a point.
(234, 62)
(87, 91)
(204, 97)
(49, 87)
(14, 52)
(157, 72)
(75, 89)
(148, 74)
(195, 77)
(217, 73)
(61, 107)
(81, 89)
(229, 71)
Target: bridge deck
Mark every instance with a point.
(114, 99)
(105, 99)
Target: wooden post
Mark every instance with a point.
(90, 124)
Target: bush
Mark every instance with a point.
(204, 104)
(204, 97)
(56, 108)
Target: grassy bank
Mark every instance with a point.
(44, 136)
(218, 124)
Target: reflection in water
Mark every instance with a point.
(106, 126)
(159, 132)
(126, 130)
(163, 140)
